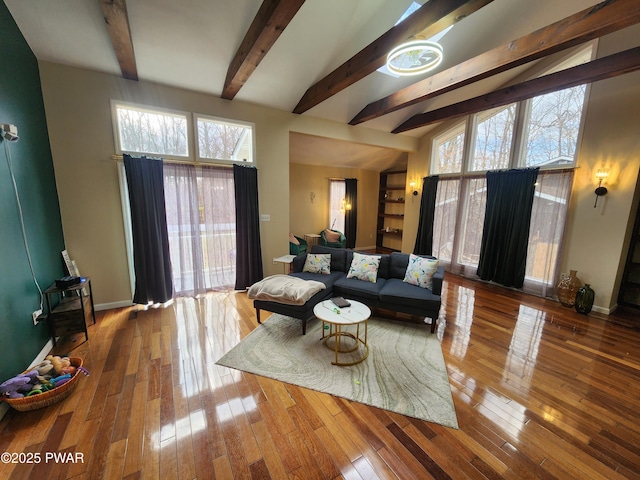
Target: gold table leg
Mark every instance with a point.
(338, 333)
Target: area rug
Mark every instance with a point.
(404, 372)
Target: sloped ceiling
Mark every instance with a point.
(191, 44)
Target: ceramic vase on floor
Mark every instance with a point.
(584, 299)
(568, 288)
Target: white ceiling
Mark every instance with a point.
(190, 43)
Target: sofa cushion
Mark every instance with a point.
(420, 271)
(396, 291)
(328, 280)
(338, 257)
(398, 264)
(352, 286)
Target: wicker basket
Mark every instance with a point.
(46, 399)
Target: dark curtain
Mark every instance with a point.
(424, 238)
(248, 249)
(505, 235)
(152, 264)
(351, 216)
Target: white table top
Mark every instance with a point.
(328, 312)
(284, 259)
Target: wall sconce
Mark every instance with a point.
(345, 206)
(600, 191)
(312, 195)
(414, 192)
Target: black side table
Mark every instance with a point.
(73, 310)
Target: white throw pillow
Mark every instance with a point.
(420, 271)
(364, 267)
(318, 263)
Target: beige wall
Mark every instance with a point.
(77, 104)
(312, 217)
(596, 239)
(78, 110)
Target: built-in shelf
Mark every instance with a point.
(391, 210)
(391, 233)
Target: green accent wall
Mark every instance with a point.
(21, 104)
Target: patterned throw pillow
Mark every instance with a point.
(364, 267)
(317, 263)
(420, 271)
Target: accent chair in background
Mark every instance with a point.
(297, 245)
(333, 239)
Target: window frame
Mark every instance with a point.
(221, 161)
(192, 139)
(468, 127)
(151, 109)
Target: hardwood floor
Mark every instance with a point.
(540, 392)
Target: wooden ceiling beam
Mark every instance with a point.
(601, 19)
(433, 17)
(600, 69)
(270, 21)
(115, 15)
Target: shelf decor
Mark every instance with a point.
(584, 299)
(568, 288)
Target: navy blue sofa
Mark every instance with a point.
(388, 293)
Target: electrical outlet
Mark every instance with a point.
(35, 316)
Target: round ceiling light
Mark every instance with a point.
(414, 57)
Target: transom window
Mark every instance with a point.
(146, 131)
(549, 136)
(220, 139)
(143, 130)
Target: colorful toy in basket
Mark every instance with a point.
(53, 372)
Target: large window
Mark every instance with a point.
(199, 199)
(547, 138)
(164, 133)
(337, 194)
(201, 223)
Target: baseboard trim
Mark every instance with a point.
(109, 306)
(603, 310)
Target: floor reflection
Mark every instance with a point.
(523, 350)
(202, 336)
(183, 428)
(463, 322)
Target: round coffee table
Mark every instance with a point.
(337, 318)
